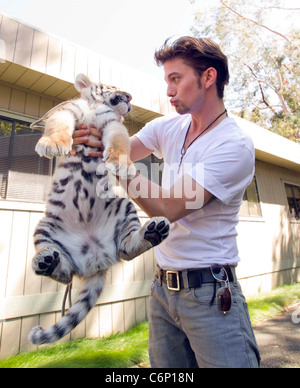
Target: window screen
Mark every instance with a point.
(24, 175)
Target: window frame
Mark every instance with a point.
(259, 215)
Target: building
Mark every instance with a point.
(37, 72)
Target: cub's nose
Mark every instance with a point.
(129, 97)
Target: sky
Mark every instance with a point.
(128, 31)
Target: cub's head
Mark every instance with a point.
(119, 101)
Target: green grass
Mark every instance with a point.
(267, 305)
(116, 351)
(131, 348)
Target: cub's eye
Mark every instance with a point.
(116, 100)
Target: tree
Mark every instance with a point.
(264, 60)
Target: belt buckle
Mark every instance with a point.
(177, 280)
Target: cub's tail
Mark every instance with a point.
(86, 301)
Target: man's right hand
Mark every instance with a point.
(81, 136)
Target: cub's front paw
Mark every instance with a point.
(119, 165)
(50, 148)
(157, 230)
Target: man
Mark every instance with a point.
(198, 315)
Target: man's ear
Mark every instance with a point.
(209, 77)
(82, 82)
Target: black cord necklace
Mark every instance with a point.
(183, 152)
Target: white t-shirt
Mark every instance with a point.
(222, 161)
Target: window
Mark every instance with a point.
(251, 202)
(293, 198)
(24, 175)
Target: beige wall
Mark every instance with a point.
(270, 246)
(26, 104)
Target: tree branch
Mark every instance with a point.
(254, 22)
(284, 107)
(260, 81)
(264, 99)
(277, 91)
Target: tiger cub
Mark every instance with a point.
(86, 229)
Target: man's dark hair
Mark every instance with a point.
(200, 54)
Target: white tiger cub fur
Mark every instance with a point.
(83, 233)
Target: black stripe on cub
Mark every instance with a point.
(72, 166)
(65, 181)
(92, 203)
(84, 249)
(57, 203)
(88, 176)
(53, 217)
(42, 232)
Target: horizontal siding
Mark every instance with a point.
(21, 101)
(49, 55)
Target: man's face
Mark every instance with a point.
(184, 86)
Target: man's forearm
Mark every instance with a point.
(183, 198)
(146, 194)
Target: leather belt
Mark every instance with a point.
(195, 278)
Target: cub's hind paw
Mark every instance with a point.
(50, 262)
(157, 230)
(45, 262)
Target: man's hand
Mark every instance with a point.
(82, 136)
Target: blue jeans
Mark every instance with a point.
(186, 332)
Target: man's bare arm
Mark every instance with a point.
(183, 198)
(137, 149)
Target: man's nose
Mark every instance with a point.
(171, 92)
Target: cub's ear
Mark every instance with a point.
(82, 82)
